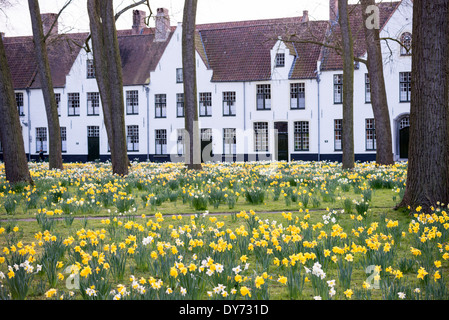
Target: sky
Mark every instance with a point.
(15, 19)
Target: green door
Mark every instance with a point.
(281, 129)
(93, 148)
(403, 142)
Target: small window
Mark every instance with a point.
(63, 139)
(179, 75)
(338, 88)
(370, 128)
(260, 136)
(205, 104)
(90, 69)
(161, 141)
(132, 102)
(406, 44)
(132, 138)
(93, 131)
(367, 89)
(297, 96)
(74, 104)
(229, 141)
(229, 103)
(405, 86)
(58, 102)
(180, 105)
(93, 103)
(41, 139)
(160, 105)
(19, 102)
(263, 97)
(338, 131)
(280, 60)
(301, 136)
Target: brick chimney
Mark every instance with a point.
(138, 21)
(305, 16)
(333, 10)
(47, 21)
(162, 24)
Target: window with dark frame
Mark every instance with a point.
(63, 139)
(179, 75)
(338, 88)
(297, 96)
(73, 104)
(41, 139)
(229, 103)
(338, 131)
(229, 141)
(58, 102)
(405, 86)
(260, 136)
(160, 101)
(90, 69)
(180, 143)
(19, 102)
(132, 137)
(132, 102)
(367, 89)
(406, 41)
(93, 103)
(370, 126)
(205, 104)
(93, 131)
(301, 135)
(161, 141)
(263, 97)
(280, 60)
(180, 105)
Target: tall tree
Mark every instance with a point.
(16, 165)
(193, 149)
(379, 102)
(51, 107)
(108, 73)
(428, 165)
(348, 86)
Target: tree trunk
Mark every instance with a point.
(348, 86)
(16, 165)
(428, 166)
(193, 150)
(108, 71)
(51, 108)
(384, 153)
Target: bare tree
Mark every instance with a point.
(193, 150)
(379, 102)
(43, 66)
(428, 165)
(108, 73)
(16, 165)
(348, 86)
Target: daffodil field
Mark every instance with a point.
(233, 231)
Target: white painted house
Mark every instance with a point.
(260, 95)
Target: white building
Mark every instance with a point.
(260, 96)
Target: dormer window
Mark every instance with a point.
(280, 60)
(406, 41)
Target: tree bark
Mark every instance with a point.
(51, 108)
(348, 86)
(428, 166)
(16, 165)
(379, 102)
(108, 72)
(193, 149)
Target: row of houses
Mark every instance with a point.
(260, 95)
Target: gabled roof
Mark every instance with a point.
(331, 60)
(62, 52)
